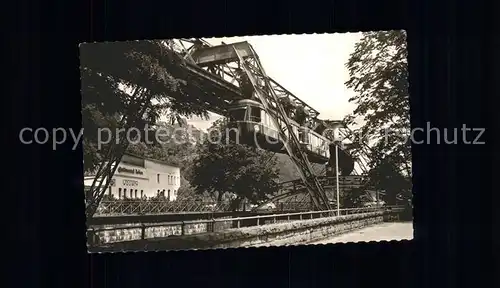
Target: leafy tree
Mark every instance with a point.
(385, 177)
(177, 152)
(221, 169)
(378, 71)
(300, 115)
(352, 198)
(152, 73)
(185, 192)
(288, 106)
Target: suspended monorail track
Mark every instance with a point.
(231, 81)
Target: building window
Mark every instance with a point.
(158, 178)
(124, 193)
(131, 192)
(142, 193)
(168, 177)
(169, 194)
(110, 191)
(135, 196)
(119, 193)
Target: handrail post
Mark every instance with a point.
(143, 231)
(92, 236)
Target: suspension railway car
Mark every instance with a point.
(251, 124)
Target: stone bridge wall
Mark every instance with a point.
(159, 231)
(293, 232)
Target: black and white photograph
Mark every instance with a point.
(252, 141)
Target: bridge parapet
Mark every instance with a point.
(243, 231)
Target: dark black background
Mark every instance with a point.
(451, 58)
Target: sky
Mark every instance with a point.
(312, 67)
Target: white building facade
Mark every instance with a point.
(139, 178)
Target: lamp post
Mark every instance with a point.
(337, 176)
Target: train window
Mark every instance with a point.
(237, 114)
(255, 114)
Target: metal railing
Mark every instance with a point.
(138, 207)
(147, 207)
(240, 222)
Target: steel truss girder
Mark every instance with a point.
(221, 65)
(222, 61)
(268, 98)
(224, 67)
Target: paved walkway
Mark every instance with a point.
(381, 232)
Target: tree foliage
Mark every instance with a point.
(149, 70)
(378, 71)
(224, 168)
(294, 111)
(385, 177)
